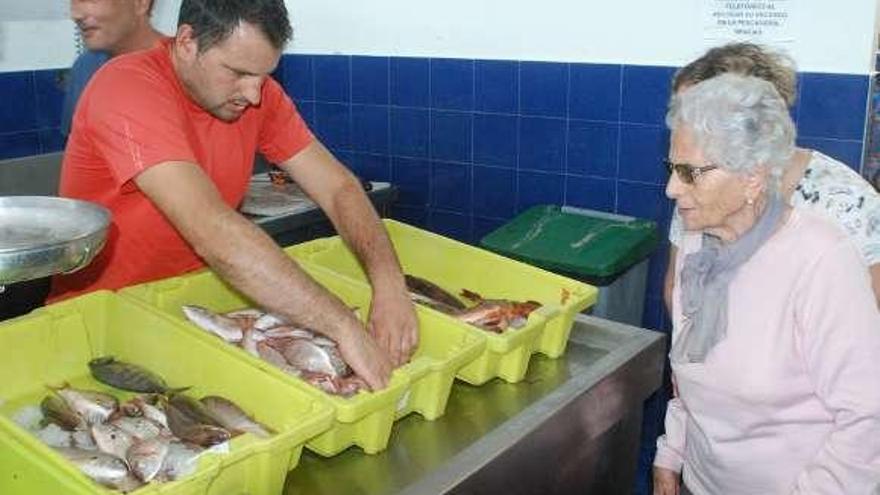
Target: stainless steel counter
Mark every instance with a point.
(572, 426)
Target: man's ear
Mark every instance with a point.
(185, 42)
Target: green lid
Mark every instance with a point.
(594, 245)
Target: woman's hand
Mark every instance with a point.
(666, 482)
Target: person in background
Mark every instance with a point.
(165, 139)
(812, 180)
(775, 327)
(108, 28)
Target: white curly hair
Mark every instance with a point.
(739, 122)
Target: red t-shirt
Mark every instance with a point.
(134, 114)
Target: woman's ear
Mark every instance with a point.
(756, 183)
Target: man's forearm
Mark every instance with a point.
(359, 225)
(250, 261)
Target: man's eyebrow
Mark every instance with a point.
(240, 71)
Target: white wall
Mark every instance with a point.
(829, 36)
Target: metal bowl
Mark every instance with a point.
(42, 236)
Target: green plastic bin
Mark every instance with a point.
(605, 250)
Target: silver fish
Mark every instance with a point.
(343, 386)
(94, 407)
(309, 356)
(245, 313)
(272, 356)
(111, 439)
(248, 343)
(189, 430)
(324, 341)
(231, 417)
(179, 462)
(128, 376)
(103, 468)
(228, 329)
(139, 428)
(270, 320)
(82, 439)
(287, 331)
(146, 458)
(56, 410)
(140, 407)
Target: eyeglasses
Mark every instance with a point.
(686, 172)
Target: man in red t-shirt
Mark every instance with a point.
(165, 139)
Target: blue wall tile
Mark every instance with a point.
(369, 128)
(16, 144)
(595, 92)
(542, 144)
(333, 124)
(495, 139)
(451, 186)
(413, 216)
(306, 110)
(537, 189)
(654, 315)
(497, 86)
(451, 136)
(299, 80)
(18, 102)
(450, 224)
(51, 140)
(646, 201)
(657, 269)
(849, 152)
(409, 132)
(332, 78)
(485, 226)
(833, 106)
(592, 148)
(543, 88)
(412, 177)
(373, 167)
(50, 97)
(369, 80)
(410, 82)
(645, 93)
(452, 84)
(642, 150)
(494, 192)
(590, 192)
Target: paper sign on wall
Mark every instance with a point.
(761, 21)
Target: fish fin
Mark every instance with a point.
(171, 392)
(101, 360)
(471, 295)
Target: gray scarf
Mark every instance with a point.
(705, 278)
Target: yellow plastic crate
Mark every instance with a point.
(365, 420)
(454, 266)
(53, 345)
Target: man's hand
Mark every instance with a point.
(365, 357)
(394, 324)
(665, 482)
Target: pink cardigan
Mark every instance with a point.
(789, 401)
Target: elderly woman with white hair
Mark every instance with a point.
(776, 340)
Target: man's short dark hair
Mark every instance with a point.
(213, 21)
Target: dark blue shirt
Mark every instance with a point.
(80, 74)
